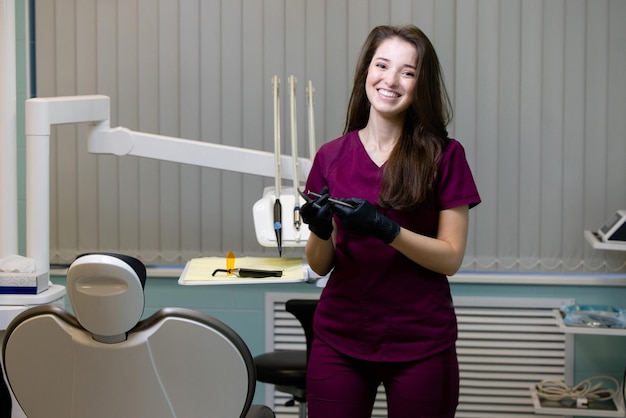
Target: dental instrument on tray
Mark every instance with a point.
(230, 270)
(249, 273)
(297, 222)
(278, 225)
(330, 199)
(310, 95)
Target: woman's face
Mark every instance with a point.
(391, 77)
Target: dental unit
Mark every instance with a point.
(42, 113)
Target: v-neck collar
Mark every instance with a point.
(364, 150)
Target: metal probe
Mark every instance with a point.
(330, 199)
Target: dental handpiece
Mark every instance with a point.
(331, 199)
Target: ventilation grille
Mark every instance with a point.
(505, 345)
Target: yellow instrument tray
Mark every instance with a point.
(198, 271)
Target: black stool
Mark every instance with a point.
(286, 369)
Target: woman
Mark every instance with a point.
(391, 223)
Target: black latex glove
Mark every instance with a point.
(364, 217)
(318, 215)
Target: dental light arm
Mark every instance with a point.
(122, 141)
(42, 113)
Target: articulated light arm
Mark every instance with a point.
(122, 141)
(42, 113)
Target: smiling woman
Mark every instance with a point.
(409, 189)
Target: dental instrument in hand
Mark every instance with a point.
(330, 199)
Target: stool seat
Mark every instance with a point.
(282, 368)
(286, 369)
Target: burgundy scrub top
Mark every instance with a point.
(377, 304)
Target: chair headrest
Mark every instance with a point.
(106, 293)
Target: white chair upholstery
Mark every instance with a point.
(105, 362)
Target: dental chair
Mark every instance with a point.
(105, 362)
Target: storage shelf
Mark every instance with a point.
(592, 238)
(612, 408)
(609, 408)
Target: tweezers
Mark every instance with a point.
(250, 273)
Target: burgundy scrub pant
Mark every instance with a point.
(339, 386)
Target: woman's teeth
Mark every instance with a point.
(388, 93)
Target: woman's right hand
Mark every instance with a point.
(318, 215)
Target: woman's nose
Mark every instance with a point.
(391, 79)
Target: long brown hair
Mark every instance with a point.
(410, 172)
